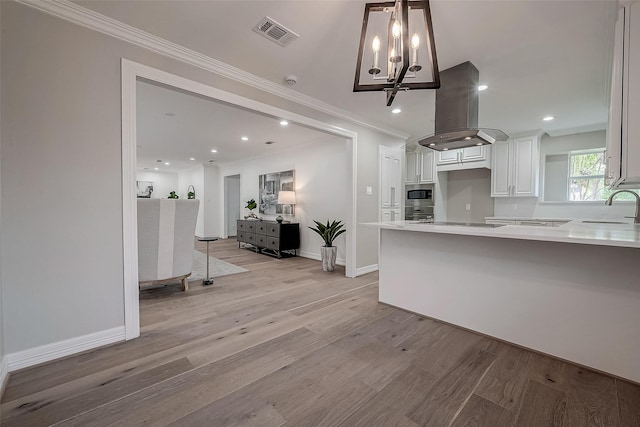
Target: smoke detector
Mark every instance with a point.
(291, 80)
(275, 32)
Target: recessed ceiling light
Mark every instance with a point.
(244, 138)
(167, 163)
(155, 168)
(192, 158)
(433, 144)
(214, 151)
(479, 143)
(283, 123)
(482, 87)
(548, 118)
(467, 138)
(396, 111)
(170, 114)
(445, 149)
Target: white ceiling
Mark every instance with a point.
(538, 57)
(174, 126)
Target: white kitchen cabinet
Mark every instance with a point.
(448, 157)
(464, 158)
(420, 167)
(623, 130)
(473, 154)
(515, 168)
(390, 178)
(390, 215)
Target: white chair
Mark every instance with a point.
(166, 239)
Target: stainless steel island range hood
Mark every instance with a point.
(457, 112)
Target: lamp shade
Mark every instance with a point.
(287, 198)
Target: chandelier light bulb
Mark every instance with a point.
(415, 41)
(376, 44)
(395, 31)
(394, 41)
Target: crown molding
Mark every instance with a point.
(87, 18)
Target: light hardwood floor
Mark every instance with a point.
(288, 344)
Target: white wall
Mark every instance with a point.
(472, 187)
(321, 193)
(61, 181)
(163, 183)
(195, 177)
(536, 207)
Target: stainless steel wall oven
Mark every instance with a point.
(419, 202)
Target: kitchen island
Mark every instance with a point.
(571, 291)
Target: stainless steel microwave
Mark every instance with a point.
(420, 194)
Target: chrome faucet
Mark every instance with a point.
(610, 200)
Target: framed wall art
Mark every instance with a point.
(144, 189)
(270, 185)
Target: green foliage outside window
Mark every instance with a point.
(587, 177)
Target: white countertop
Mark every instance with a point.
(528, 218)
(576, 231)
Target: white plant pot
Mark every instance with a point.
(328, 257)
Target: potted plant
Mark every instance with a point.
(173, 195)
(191, 192)
(251, 205)
(328, 232)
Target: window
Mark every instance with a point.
(586, 175)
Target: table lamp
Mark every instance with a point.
(286, 198)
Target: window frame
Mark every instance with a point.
(571, 178)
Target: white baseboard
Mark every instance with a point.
(56, 350)
(318, 257)
(368, 269)
(4, 375)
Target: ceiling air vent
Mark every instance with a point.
(275, 32)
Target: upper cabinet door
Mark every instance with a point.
(614, 127)
(447, 157)
(526, 162)
(514, 168)
(411, 175)
(631, 124)
(477, 152)
(427, 170)
(623, 147)
(500, 170)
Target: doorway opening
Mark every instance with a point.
(231, 204)
(131, 73)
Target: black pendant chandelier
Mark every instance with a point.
(408, 30)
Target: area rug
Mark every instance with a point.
(217, 267)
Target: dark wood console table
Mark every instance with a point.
(269, 237)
